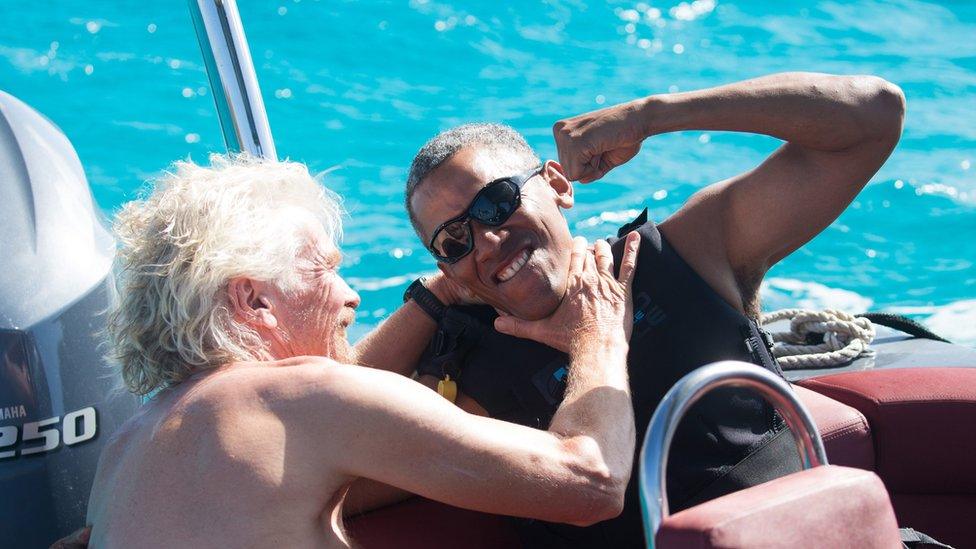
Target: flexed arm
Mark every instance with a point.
(838, 131)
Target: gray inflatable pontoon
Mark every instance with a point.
(58, 400)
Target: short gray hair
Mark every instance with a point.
(497, 138)
(180, 246)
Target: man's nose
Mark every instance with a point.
(352, 297)
(487, 240)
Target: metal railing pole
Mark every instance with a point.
(243, 119)
(652, 467)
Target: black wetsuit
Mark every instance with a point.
(730, 439)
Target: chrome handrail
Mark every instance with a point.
(687, 391)
(240, 108)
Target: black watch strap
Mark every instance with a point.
(425, 298)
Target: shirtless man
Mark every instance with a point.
(696, 288)
(233, 317)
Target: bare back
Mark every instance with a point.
(205, 464)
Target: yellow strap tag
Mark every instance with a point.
(447, 388)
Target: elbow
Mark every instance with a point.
(606, 509)
(598, 493)
(586, 508)
(881, 108)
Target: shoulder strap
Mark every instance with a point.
(637, 222)
(913, 539)
(457, 334)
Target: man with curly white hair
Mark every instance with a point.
(232, 316)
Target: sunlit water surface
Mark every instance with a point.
(356, 87)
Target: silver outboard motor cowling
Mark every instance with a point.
(59, 401)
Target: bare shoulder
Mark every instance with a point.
(304, 387)
(697, 231)
(305, 377)
(280, 379)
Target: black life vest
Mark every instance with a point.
(680, 324)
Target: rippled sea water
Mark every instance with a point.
(355, 88)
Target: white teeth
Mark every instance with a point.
(514, 266)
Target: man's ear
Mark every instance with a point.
(250, 303)
(556, 177)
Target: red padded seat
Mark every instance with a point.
(923, 423)
(422, 523)
(844, 430)
(829, 506)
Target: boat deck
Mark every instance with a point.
(894, 349)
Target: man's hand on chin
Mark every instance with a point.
(594, 304)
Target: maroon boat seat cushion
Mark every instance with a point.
(829, 506)
(844, 430)
(423, 523)
(923, 422)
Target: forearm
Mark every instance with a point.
(816, 111)
(585, 351)
(396, 345)
(597, 402)
(424, 445)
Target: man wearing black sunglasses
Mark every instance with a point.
(492, 206)
(490, 212)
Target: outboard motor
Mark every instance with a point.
(59, 401)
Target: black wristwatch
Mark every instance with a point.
(425, 299)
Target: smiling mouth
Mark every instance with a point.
(514, 266)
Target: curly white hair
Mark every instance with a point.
(198, 228)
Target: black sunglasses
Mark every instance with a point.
(492, 206)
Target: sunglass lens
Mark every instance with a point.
(455, 249)
(453, 240)
(495, 203)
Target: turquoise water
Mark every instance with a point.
(356, 87)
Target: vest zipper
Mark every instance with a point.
(759, 343)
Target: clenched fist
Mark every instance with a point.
(592, 144)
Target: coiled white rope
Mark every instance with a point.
(845, 338)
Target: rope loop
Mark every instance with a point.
(819, 339)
